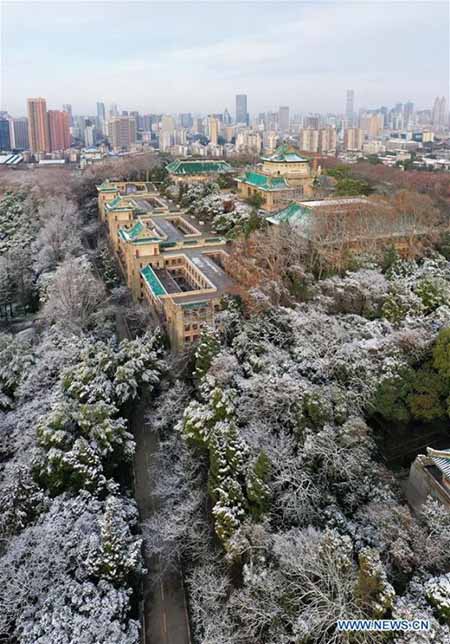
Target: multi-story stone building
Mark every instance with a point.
(167, 258)
(283, 177)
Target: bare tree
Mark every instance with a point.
(74, 296)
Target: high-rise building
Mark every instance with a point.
(227, 120)
(101, 118)
(38, 125)
(89, 133)
(122, 132)
(67, 107)
(408, 115)
(18, 133)
(283, 119)
(213, 125)
(147, 122)
(101, 112)
(311, 122)
(440, 115)
(353, 139)
(371, 124)
(58, 124)
(241, 109)
(327, 140)
(309, 140)
(186, 120)
(5, 141)
(350, 107)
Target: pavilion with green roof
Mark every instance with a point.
(200, 169)
(285, 154)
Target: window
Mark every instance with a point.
(187, 327)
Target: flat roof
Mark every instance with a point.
(333, 202)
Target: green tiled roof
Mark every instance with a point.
(293, 214)
(113, 204)
(187, 168)
(285, 154)
(132, 234)
(106, 187)
(152, 281)
(263, 181)
(137, 228)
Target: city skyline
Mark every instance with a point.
(180, 69)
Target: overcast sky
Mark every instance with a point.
(195, 56)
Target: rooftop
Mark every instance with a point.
(193, 167)
(294, 213)
(441, 458)
(323, 203)
(153, 281)
(285, 154)
(263, 181)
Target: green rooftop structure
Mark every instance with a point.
(285, 154)
(186, 168)
(152, 281)
(263, 181)
(294, 214)
(106, 186)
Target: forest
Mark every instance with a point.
(274, 493)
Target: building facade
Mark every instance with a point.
(122, 132)
(241, 109)
(18, 133)
(5, 140)
(38, 132)
(59, 130)
(353, 139)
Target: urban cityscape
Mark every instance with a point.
(399, 134)
(225, 322)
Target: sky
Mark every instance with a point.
(195, 56)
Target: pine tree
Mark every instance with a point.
(258, 492)
(208, 347)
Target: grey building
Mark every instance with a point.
(241, 109)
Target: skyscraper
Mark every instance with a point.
(408, 115)
(227, 117)
(58, 125)
(38, 125)
(101, 117)
(18, 133)
(283, 119)
(122, 132)
(67, 107)
(439, 115)
(241, 109)
(350, 107)
(5, 141)
(186, 120)
(213, 130)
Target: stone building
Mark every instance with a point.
(282, 177)
(167, 258)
